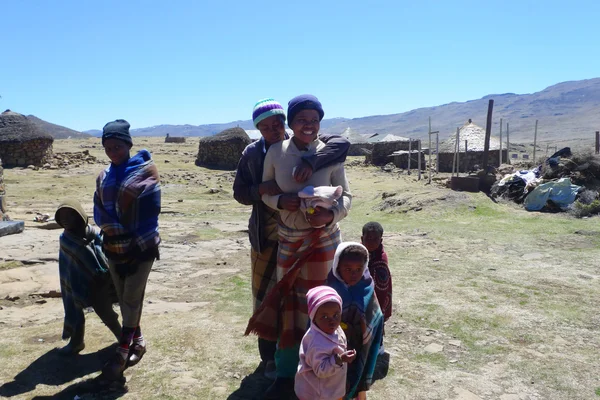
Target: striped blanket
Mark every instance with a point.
(264, 264)
(304, 260)
(83, 269)
(126, 207)
(362, 321)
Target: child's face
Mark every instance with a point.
(371, 240)
(351, 270)
(328, 317)
(117, 150)
(70, 220)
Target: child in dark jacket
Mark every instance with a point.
(372, 239)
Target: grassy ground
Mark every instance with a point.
(510, 296)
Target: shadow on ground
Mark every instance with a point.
(52, 369)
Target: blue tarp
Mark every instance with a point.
(562, 193)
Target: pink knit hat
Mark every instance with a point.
(320, 295)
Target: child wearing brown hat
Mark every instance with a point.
(84, 277)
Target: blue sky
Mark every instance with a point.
(83, 63)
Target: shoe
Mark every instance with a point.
(71, 349)
(281, 389)
(136, 352)
(270, 370)
(113, 369)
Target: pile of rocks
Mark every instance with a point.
(71, 160)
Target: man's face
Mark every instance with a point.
(272, 129)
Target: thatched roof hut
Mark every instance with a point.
(475, 137)
(22, 142)
(223, 150)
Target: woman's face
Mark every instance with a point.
(272, 129)
(306, 126)
(117, 150)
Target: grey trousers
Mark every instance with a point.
(131, 290)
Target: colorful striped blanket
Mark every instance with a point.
(304, 260)
(126, 207)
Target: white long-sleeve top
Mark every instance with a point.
(279, 165)
(318, 376)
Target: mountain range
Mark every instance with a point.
(565, 110)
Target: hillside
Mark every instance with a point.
(57, 131)
(566, 110)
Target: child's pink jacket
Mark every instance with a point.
(318, 376)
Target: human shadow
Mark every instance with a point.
(253, 386)
(93, 388)
(54, 369)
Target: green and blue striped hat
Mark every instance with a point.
(266, 108)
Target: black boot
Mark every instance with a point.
(76, 343)
(281, 389)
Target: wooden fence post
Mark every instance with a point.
(535, 140)
(500, 161)
(488, 132)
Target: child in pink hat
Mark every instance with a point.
(323, 352)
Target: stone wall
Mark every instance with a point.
(381, 151)
(358, 149)
(31, 152)
(2, 194)
(473, 158)
(174, 139)
(219, 154)
(401, 160)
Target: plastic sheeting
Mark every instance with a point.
(561, 192)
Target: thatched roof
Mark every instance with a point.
(353, 137)
(475, 137)
(228, 135)
(15, 127)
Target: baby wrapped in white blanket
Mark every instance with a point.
(320, 196)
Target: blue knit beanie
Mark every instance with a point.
(118, 129)
(304, 102)
(266, 108)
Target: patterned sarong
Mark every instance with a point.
(264, 264)
(305, 258)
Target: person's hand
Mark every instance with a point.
(289, 202)
(321, 216)
(348, 356)
(303, 172)
(269, 187)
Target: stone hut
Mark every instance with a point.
(382, 151)
(475, 137)
(359, 145)
(174, 139)
(22, 142)
(223, 150)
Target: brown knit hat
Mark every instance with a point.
(75, 206)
